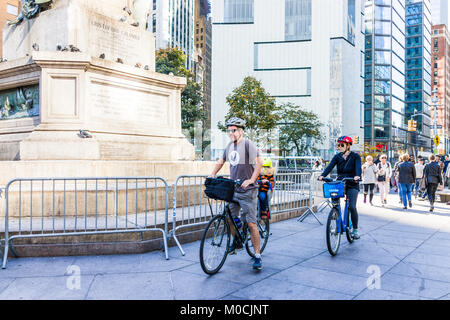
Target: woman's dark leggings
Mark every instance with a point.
(369, 188)
(352, 195)
(431, 190)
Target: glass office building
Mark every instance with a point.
(385, 125)
(418, 72)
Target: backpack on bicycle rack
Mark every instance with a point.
(219, 188)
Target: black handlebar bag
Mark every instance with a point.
(219, 188)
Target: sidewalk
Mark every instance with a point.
(411, 250)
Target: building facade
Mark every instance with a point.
(418, 73)
(441, 83)
(172, 23)
(9, 9)
(298, 58)
(385, 128)
(439, 12)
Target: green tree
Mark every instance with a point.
(299, 130)
(251, 102)
(173, 60)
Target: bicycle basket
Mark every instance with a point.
(219, 188)
(333, 190)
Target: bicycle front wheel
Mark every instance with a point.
(214, 245)
(264, 233)
(333, 236)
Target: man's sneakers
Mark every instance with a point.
(257, 262)
(234, 247)
(355, 234)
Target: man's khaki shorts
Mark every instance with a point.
(248, 201)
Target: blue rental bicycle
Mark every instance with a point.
(335, 189)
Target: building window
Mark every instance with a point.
(297, 20)
(154, 23)
(435, 65)
(13, 10)
(238, 11)
(154, 4)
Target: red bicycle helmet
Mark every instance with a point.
(345, 139)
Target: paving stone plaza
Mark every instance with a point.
(401, 255)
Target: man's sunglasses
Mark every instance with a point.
(232, 130)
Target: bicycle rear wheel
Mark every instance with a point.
(333, 236)
(214, 245)
(264, 233)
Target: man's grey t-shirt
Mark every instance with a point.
(242, 165)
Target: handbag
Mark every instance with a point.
(381, 178)
(220, 188)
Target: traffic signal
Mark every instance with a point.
(412, 125)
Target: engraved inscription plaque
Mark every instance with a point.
(123, 104)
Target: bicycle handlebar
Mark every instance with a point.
(342, 180)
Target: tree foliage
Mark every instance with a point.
(299, 130)
(251, 102)
(173, 60)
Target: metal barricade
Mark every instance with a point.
(190, 205)
(55, 207)
(291, 192)
(317, 201)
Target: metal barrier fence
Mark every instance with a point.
(191, 207)
(54, 207)
(61, 207)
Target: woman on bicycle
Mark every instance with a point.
(348, 165)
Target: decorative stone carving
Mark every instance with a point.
(19, 102)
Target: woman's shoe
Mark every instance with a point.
(405, 208)
(410, 203)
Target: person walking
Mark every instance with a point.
(432, 173)
(406, 179)
(369, 178)
(395, 175)
(384, 178)
(446, 162)
(419, 166)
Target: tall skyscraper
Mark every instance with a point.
(306, 52)
(440, 45)
(384, 90)
(439, 12)
(172, 22)
(418, 72)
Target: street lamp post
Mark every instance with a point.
(435, 105)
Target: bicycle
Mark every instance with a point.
(215, 242)
(335, 189)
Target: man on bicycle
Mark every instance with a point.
(348, 165)
(245, 165)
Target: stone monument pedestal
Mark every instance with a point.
(129, 111)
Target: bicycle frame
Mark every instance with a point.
(342, 222)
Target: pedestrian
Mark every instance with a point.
(419, 166)
(432, 174)
(318, 166)
(406, 179)
(369, 178)
(384, 178)
(447, 176)
(395, 175)
(446, 162)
